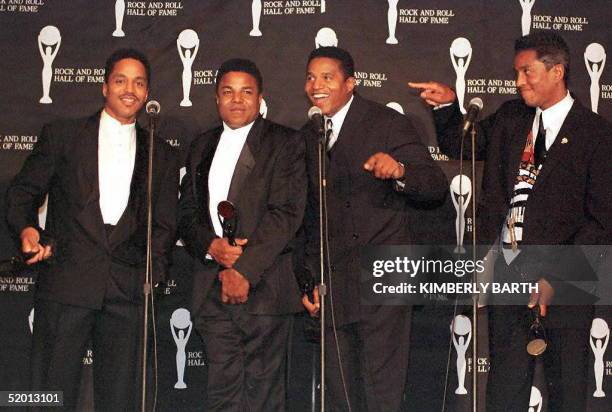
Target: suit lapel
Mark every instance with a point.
(561, 150)
(351, 125)
(246, 161)
(202, 170)
(90, 216)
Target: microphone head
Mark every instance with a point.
(153, 107)
(476, 101)
(226, 209)
(314, 111)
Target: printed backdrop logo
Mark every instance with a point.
(559, 23)
(21, 6)
(535, 400)
(461, 194)
(18, 142)
(187, 44)
(256, 16)
(16, 283)
(263, 108)
(414, 16)
(392, 21)
(461, 329)
(119, 11)
(31, 320)
(180, 321)
(49, 41)
(282, 7)
(143, 8)
(595, 60)
(326, 37)
(600, 336)
(461, 55)
(526, 5)
(396, 106)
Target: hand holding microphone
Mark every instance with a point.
(228, 249)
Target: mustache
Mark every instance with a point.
(131, 95)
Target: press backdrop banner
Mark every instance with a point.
(52, 66)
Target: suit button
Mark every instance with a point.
(355, 236)
(347, 204)
(333, 268)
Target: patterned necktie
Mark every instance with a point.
(329, 134)
(539, 151)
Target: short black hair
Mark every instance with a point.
(239, 65)
(121, 54)
(550, 49)
(346, 60)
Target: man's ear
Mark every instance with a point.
(559, 71)
(351, 83)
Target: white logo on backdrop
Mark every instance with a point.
(461, 194)
(256, 15)
(187, 44)
(461, 55)
(461, 329)
(31, 320)
(182, 173)
(181, 320)
(535, 400)
(392, 21)
(119, 13)
(42, 213)
(396, 106)
(326, 37)
(600, 336)
(49, 41)
(595, 60)
(526, 5)
(263, 108)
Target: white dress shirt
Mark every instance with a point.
(116, 157)
(553, 119)
(337, 121)
(222, 169)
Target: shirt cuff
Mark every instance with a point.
(400, 183)
(441, 106)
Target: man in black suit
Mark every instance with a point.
(244, 294)
(92, 250)
(376, 166)
(546, 185)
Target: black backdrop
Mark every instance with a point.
(479, 32)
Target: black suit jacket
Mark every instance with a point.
(268, 189)
(571, 201)
(363, 210)
(64, 165)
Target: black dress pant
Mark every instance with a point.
(247, 356)
(373, 358)
(565, 360)
(61, 335)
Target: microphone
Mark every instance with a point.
(316, 116)
(228, 216)
(474, 108)
(153, 108)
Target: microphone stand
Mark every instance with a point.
(149, 263)
(474, 282)
(322, 238)
(474, 355)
